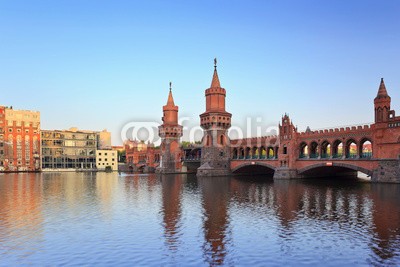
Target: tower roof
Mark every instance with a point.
(382, 93)
(215, 79)
(170, 102)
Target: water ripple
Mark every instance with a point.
(78, 219)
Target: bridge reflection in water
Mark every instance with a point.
(184, 220)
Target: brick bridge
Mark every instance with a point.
(311, 153)
(372, 149)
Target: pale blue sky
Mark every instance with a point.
(100, 64)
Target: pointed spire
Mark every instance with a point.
(382, 90)
(215, 79)
(170, 102)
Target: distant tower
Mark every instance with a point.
(170, 132)
(287, 150)
(382, 104)
(215, 121)
(287, 134)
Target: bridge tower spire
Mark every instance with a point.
(215, 121)
(382, 104)
(170, 132)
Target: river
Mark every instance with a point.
(111, 219)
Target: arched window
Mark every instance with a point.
(365, 148)
(314, 150)
(351, 149)
(241, 156)
(248, 154)
(235, 153)
(337, 149)
(263, 153)
(325, 149)
(208, 140)
(303, 150)
(222, 140)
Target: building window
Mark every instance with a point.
(99, 159)
(99, 154)
(113, 159)
(105, 154)
(10, 130)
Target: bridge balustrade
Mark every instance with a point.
(352, 156)
(366, 155)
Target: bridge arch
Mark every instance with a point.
(254, 168)
(303, 150)
(351, 148)
(241, 153)
(334, 167)
(235, 153)
(337, 149)
(255, 152)
(314, 149)
(365, 148)
(248, 152)
(326, 149)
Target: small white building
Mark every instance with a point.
(106, 158)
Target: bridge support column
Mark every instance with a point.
(214, 162)
(285, 173)
(388, 171)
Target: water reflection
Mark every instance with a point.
(171, 209)
(81, 218)
(21, 216)
(215, 192)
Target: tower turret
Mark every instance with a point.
(382, 104)
(215, 121)
(170, 132)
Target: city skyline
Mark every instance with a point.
(103, 65)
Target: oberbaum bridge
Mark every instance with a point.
(290, 154)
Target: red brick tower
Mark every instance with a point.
(287, 149)
(215, 121)
(170, 132)
(382, 104)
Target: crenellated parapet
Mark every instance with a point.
(338, 131)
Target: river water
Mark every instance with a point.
(110, 219)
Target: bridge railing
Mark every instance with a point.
(264, 157)
(366, 155)
(192, 159)
(352, 155)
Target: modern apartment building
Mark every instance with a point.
(19, 140)
(71, 149)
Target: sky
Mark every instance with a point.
(106, 64)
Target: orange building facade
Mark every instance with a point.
(19, 140)
(141, 156)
